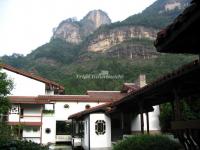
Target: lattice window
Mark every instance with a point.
(100, 127)
(14, 109)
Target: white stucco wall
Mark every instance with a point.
(153, 121)
(62, 113)
(97, 141)
(85, 135)
(13, 117)
(24, 86)
(48, 122)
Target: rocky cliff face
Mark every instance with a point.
(134, 49)
(97, 18)
(74, 31)
(68, 30)
(106, 40)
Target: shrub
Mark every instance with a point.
(8, 141)
(48, 111)
(20, 145)
(147, 142)
(5, 131)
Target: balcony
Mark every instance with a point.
(26, 120)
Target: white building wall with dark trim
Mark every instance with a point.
(97, 141)
(24, 86)
(48, 129)
(62, 113)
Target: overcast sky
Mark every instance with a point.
(27, 24)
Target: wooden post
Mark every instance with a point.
(147, 119)
(173, 110)
(122, 120)
(142, 118)
(177, 106)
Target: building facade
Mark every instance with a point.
(109, 123)
(40, 111)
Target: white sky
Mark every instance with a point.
(27, 24)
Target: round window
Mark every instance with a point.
(87, 106)
(48, 130)
(66, 106)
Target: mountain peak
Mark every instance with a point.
(97, 17)
(74, 31)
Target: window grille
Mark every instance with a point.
(100, 127)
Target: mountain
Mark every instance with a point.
(94, 44)
(74, 31)
(142, 25)
(159, 14)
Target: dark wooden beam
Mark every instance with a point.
(181, 125)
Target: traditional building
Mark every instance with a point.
(40, 111)
(108, 122)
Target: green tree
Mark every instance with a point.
(5, 88)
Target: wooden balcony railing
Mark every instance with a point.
(188, 133)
